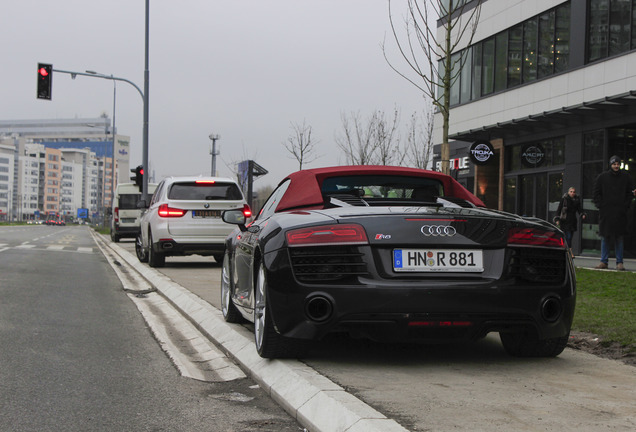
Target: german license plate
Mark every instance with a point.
(438, 260)
(206, 213)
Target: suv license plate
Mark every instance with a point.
(206, 213)
(438, 260)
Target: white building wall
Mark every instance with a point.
(611, 77)
(29, 181)
(7, 159)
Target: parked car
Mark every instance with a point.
(184, 218)
(125, 211)
(394, 254)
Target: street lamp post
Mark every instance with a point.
(113, 131)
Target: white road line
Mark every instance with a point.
(177, 335)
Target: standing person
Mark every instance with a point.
(566, 218)
(613, 191)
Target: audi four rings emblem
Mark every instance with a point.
(438, 230)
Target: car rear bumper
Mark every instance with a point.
(398, 310)
(173, 247)
(123, 231)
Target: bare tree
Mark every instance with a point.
(301, 145)
(435, 63)
(371, 142)
(419, 139)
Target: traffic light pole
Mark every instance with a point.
(144, 161)
(143, 94)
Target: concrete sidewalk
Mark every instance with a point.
(316, 402)
(591, 262)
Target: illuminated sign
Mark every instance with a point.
(481, 152)
(455, 164)
(532, 155)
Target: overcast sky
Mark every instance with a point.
(244, 70)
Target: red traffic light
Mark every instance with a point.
(45, 77)
(141, 171)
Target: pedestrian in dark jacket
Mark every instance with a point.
(613, 191)
(570, 207)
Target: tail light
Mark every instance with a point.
(247, 211)
(351, 234)
(116, 214)
(169, 212)
(205, 182)
(535, 237)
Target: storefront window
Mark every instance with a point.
(546, 45)
(488, 66)
(501, 61)
(562, 39)
(530, 50)
(593, 146)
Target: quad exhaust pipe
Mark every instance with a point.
(319, 308)
(551, 309)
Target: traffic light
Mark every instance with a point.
(45, 78)
(138, 178)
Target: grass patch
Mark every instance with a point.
(606, 305)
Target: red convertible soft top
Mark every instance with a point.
(304, 189)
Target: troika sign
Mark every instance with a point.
(481, 152)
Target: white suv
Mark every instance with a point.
(184, 218)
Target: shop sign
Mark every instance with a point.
(532, 155)
(455, 164)
(481, 152)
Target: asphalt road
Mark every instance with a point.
(76, 354)
(473, 387)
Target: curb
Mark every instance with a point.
(315, 401)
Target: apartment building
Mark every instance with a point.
(7, 163)
(549, 90)
(61, 166)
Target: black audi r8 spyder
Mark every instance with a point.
(394, 254)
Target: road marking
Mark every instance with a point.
(193, 354)
(55, 247)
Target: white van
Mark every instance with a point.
(125, 213)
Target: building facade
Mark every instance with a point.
(57, 167)
(550, 85)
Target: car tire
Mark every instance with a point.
(229, 310)
(219, 258)
(142, 253)
(114, 237)
(529, 345)
(269, 343)
(155, 259)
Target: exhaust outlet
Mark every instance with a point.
(319, 308)
(551, 309)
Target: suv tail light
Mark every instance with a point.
(168, 212)
(247, 211)
(327, 235)
(535, 237)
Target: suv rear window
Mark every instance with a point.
(205, 191)
(128, 201)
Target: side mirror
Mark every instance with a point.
(234, 217)
(142, 204)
